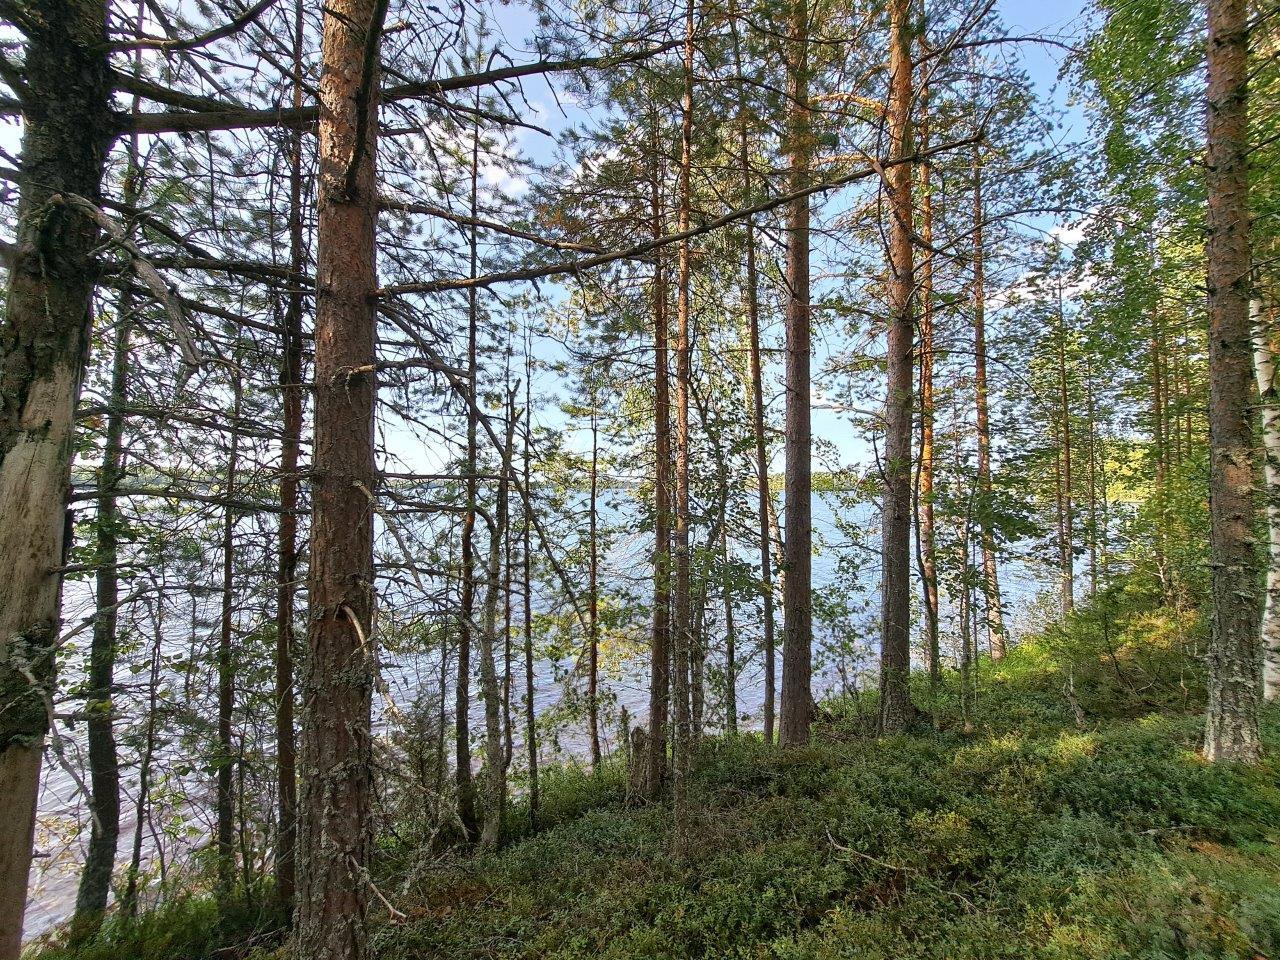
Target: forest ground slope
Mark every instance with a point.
(1046, 831)
(1032, 836)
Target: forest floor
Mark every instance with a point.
(1030, 837)
(1041, 833)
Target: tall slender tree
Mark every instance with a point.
(334, 826)
(659, 655)
(986, 526)
(896, 710)
(797, 601)
(291, 390)
(683, 646)
(1231, 725)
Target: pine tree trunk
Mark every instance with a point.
(730, 639)
(927, 524)
(1264, 369)
(104, 767)
(683, 596)
(797, 604)
(129, 899)
(896, 709)
(659, 657)
(530, 718)
(593, 613)
(756, 410)
(226, 754)
(1094, 532)
(1067, 536)
(334, 823)
(990, 574)
(1231, 727)
(287, 534)
(462, 710)
(44, 342)
(494, 753)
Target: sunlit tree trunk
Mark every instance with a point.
(797, 605)
(1231, 726)
(927, 525)
(334, 823)
(684, 373)
(1095, 534)
(896, 709)
(752, 295)
(495, 780)
(730, 639)
(659, 656)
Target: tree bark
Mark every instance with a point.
(1231, 724)
(1264, 369)
(659, 657)
(226, 753)
(990, 574)
(129, 899)
(757, 404)
(44, 343)
(926, 519)
(287, 533)
(797, 605)
(462, 711)
(683, 596)
(531, 728)
(1066, 551)
(896, 709)
(730, 639)
(495, 781)
(334, 824)
(593, 612)
(104, 766)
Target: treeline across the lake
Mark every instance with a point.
(432, 434)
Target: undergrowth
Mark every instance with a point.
(1076, 820)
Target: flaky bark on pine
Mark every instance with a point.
(1231, 724)
(659, 656)
(334, 826)
(896, 709)
(796, 712)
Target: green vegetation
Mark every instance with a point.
(1040, 834)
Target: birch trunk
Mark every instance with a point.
(1264, 369)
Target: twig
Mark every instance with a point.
(143, 268)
